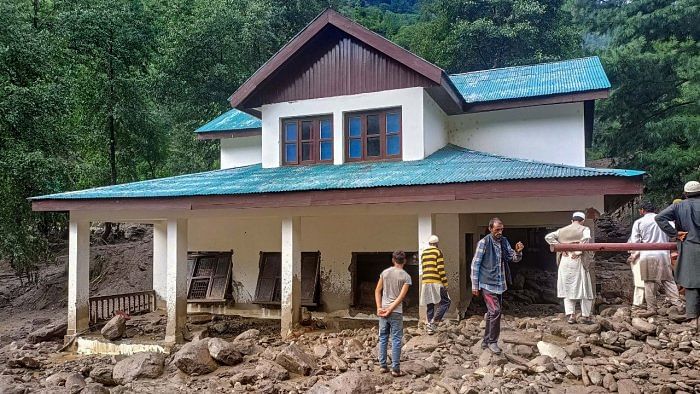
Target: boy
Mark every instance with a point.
(391, 290)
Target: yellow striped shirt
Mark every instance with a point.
(433, 264)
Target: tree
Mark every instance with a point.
(652, 119)
(468, 35)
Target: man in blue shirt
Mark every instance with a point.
(489, 274)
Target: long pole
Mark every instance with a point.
(612, 247)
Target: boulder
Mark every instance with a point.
(574, 350)
(271, 370)
(24, 362)
(51, 331)
(140, 365)
(336, 363)
(223, 351)
(320, 351)
(296, 360)
(352, 383)
(551, 350)
(248, 334)
(425, 343)
(75, 382)
(194, 359)
(413, 368)
(57, 379)
(95, 388)
(115, 328)
(103, 374)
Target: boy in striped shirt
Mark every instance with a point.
(434, 289)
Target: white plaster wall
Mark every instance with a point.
(241, 151)
(410, 100)
(434, 126)
(549, 133)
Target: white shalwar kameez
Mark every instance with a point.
(573, 280)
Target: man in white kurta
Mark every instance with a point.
(651, 269)
(573, 276)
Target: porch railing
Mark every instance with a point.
(104, 307)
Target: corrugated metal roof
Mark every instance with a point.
(568, 76)
(231, 120)
(451, 164)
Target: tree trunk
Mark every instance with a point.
(111, 128)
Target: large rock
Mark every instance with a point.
(51, 331)
(413, 368)
(425, 343)
(271, 370)
(351, 383)
(296, 360)
(248, 334)
(140, 365)
(103, 374)
(75, 382)
(194, 358)
(94, 388)
(223, 351)
(551, 350)
(643, 326)
(115, 328)
(56, 379)
(24, 362)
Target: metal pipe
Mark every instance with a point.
(612, 247)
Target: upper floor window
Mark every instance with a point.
(373, 135)
(307, 140)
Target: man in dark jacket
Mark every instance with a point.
(490, 273)
(686, 218)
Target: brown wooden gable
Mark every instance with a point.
(335, 64)
(334, 56)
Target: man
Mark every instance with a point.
(573, 275)
(686, 217)
(651, 268)
(389, 294)
(490, 271)
(434, 288)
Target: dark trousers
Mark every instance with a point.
(692, 302)
(442, 307)
(493, 316)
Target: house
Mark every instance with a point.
(344, 147)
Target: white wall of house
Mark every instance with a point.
(241, 151)
(549, 133)
(410, 100)
(434, 126)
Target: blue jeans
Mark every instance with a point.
(442, 307)
(391, 324)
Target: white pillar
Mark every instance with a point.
(451, 240)
(78, 276)
(426, 222)
(176, 279)
(291, 274)
(160, 262)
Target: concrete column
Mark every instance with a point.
(451, 242)
(160, 262)
(78, 276)
(426, 224)
(176, 280)
(291, 274)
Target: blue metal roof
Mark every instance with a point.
(568, 76)
(451, 164)
(231, 120)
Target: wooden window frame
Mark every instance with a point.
(382, 113)
(315, 140)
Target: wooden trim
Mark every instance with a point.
(217, 135)
(539, 100)
(588, 119)
(331, 17)
(379, 195)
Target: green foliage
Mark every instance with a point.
(652, 119)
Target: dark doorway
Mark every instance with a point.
(269, 288)
(365, 270)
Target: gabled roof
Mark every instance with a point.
(546, 79)
(449, 165)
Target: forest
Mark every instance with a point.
(102, 92)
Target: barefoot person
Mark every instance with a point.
(489, 273)
(434, 288)
(573, 276)
(389, 294)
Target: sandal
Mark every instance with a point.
(396, 373)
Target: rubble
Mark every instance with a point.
(194, 358)
(115, 328)
(140, 365)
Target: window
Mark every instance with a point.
(307, 140)
(374, 135)
(269, 288)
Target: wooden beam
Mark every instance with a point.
(612, 247)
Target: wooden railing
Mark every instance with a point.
(104, 307)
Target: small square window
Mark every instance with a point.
(306, 128)
(326, 129)
(392, 123)
(290, 153)
(290, 131)
(372, 124)
(355, 126)
(393, 145)
(373, 135)
(306, 151)
(355, 149)
(307, 140)
(373, 146)
(326, 150)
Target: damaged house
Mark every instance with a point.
(340, 149)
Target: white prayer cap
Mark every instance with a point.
(433, 239)
(579, 215)
(692, 187)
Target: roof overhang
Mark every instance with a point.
(217, 135)
(624, 187)
(486, 106)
